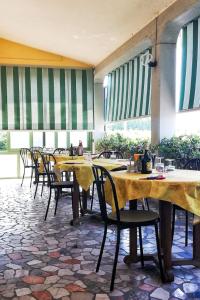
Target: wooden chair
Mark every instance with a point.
(123, 219)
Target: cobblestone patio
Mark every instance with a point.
(53, 260)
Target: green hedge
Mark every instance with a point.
(182, 147)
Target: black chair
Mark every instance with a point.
(192, 164)
(122, 219)
(53, 184)
(110, 153)
(26, 156)
(107, 154)
(59, 151)
(39, 170)
(36, 148)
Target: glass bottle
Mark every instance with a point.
(80, 149)
(146, 163)
(71, 151)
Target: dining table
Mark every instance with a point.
(180, 187)
(83, 177)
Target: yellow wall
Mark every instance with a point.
(12, 53)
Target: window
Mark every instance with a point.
(135, 128)
(3, 141)
(50, 139)
(19, 139)
(37, 138)
(62, 139)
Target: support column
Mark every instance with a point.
(98, 111)
(163, 103)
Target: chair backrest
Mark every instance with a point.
(59, 151)
(48, 160)
(26, 156)
(37, 160)
(109, 153)
(36, 148)
(100, 175)
(192, 164)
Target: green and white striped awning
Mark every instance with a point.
(190, 67)
(41, 98)
(128, 91)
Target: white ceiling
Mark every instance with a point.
(86, 30)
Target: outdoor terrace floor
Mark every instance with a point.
(53, 260)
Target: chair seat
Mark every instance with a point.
(62, 184)
(135, 217)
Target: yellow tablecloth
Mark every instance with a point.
(83, 169)
(64, 157)
(61, 158)
(181, 187)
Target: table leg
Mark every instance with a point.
(196, 240)
(166, 238)
(132, 257)
(75, 201)
(86, 195)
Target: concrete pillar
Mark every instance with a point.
(98, 111)
(163, 104)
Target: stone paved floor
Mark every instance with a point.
(52, 260)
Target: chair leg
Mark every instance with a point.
(141, 247)
(186, 228)
(48, 205)
(43, 182)
(31, 177)
(115, 260)
(159, 253)
(42, 189)
(23, 177)
(147, 203)
(57, 198)
(36, 187)
(102, 247)
(173, 221)
(92, 196)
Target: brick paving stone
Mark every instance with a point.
(74, 288)
(82, 296)
(23, 291)
(51, 279)
(33, 262)
(42, 295)
(102, 297)
(63, 272)
(58, 292)
(33, 279)
(50, 269)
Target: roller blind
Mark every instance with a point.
(40, 98)
(128, 91)
(190, 67)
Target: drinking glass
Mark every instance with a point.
(159, 165)
(169, 164)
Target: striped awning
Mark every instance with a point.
(41, 98)
(190, 67)
(128, 91)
